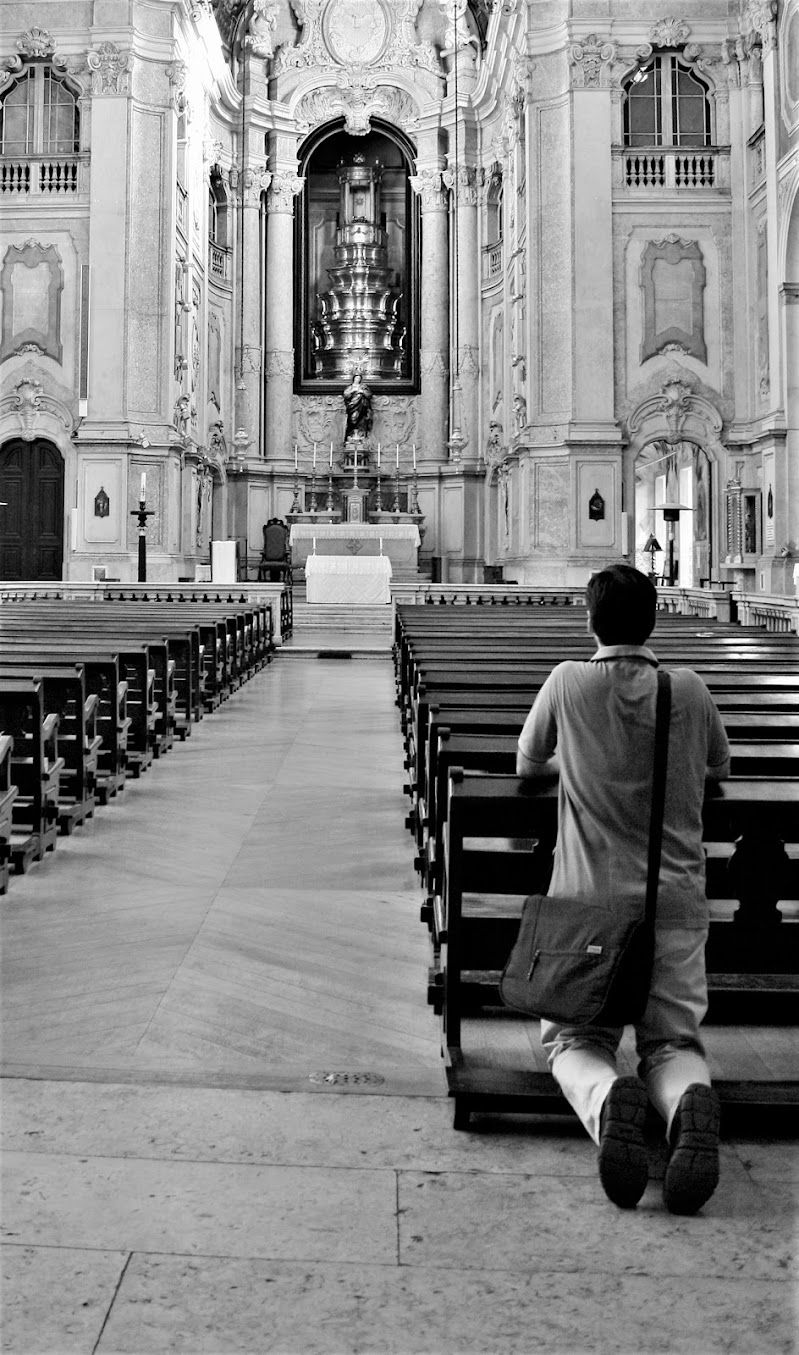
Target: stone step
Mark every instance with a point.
(338, 617)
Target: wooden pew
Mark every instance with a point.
(8, 794)
(64, 695)
(499, 839)
(35, 767)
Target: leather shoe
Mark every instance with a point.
(623, 1162)
(692, 1173)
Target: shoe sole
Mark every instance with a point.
(692, 1173)
(623, 1161)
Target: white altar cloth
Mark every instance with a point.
(303, 533)
(363, 579)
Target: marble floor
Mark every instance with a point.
(224, 1119)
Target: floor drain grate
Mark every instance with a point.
(348, 1079)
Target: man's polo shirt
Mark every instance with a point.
(600, 719)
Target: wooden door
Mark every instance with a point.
(32, 521)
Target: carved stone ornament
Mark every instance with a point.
(358, 97)
(177, 74)
(34, 45)
(433, 362)
(466, 183)
(669, 33)
(592, 59)
(279, 362)
(429, 186)
(282, 191)
(261, 31)
(110, 69)
(761, 15)
(378, 34)
(253, 184)
(458, 34)
(34, 408)
(183, 413)
(31, 284)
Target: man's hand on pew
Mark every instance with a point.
(538, 771)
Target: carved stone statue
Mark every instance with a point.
(261, 34)
(358, 403)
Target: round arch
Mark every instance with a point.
(675, 454)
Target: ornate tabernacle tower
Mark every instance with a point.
(358, 317)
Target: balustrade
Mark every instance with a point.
(218, 261)
(40, 175)
(671, 167)
(492, 261)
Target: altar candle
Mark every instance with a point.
(314, 545)
(414, 456)
(378, 456)
(381, 545)
(397, 456)
(143, 486)
(314, 456)
(331, 456)
(295, 456)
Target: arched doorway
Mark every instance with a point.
(675, 473)
(32, 520)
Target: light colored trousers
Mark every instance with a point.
(670, 1051)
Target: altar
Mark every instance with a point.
(363, 580)
(399, 541)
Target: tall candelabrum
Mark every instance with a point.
(142, 513)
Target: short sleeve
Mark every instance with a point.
(540, 733)
(718, 746)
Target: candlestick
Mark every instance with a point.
(331, 456)
(414, 456)
(295, 456)
(379, 490)
(330, 489)
(395, 507)
(143, 493)
(381, 545)
(397, 456)
(378, 456)
(314, 456)
(313, 489)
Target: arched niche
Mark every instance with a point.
(387, 151)
(675, 456)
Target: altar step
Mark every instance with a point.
(328, 630)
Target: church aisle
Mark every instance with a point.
(245, 922)
(248, 905)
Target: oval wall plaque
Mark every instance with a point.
(355, 30)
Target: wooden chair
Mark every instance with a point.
(275, 562)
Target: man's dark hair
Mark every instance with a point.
(621, 604)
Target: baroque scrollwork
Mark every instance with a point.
(110, 68)
(34, 408)
(592, 60)
(357, 97)
(761, 16)
(669, 33)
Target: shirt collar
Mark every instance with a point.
(605, 652)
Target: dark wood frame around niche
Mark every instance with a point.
(304, 383)
(691, 341)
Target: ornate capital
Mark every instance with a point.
(669, 33)
(466, 182)
(176, 75)
(110, 69)
(592, 60)
(428, 184)
(253, 184)
(282, 191)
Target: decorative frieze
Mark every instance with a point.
(110, 68)
(592, 59)
(761, 16)
(279, 363)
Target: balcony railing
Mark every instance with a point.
(218, 261)
(41, 175)
(492, 261)
(669, 169)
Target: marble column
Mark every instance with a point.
(464, 183)
(434, 351)
(249, 384)
(279, 336)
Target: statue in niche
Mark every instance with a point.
(520, 410)
(263, 22)
(358, 403)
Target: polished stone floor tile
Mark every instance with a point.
(327, 1130)
(193, 1208)
(568, 1224)
(227, 1307)
(55, 1299)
